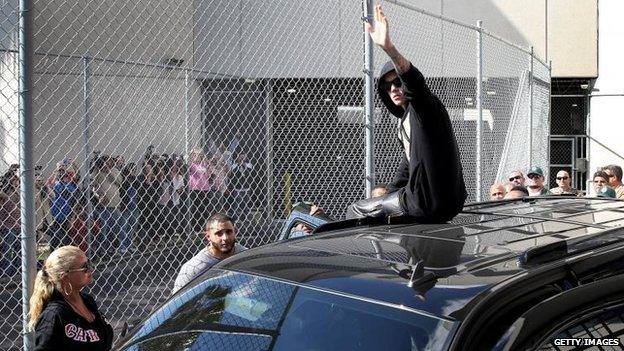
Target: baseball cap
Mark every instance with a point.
(606, 191)
(535, 170)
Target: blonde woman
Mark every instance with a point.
(63, 317)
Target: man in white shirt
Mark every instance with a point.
(220, 233)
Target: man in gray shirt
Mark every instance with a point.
(221, 235)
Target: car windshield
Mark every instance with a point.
(235, 311)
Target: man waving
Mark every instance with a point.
(429, 183)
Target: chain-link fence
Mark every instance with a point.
(148, 117)
(568, 139)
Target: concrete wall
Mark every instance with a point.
(9, 132)
(607, 101)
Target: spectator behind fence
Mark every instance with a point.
(11, 186)
(63, 317)
(9, 235)
(535, 182)
(63, 202)
(200, 186)
(600, 180)
(165, 194)
(517, 192)
(497, 192)
(516, 178)
(147, 203)
(429, 183)
(564, 185)
(220, 234)
(240, 183)
(128, 206)
(221, 174)
(379, 190)
(615, 179)
(78, 227)
(176, 211)
(106, 182)
(43, 197)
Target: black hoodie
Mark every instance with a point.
(431, 184)
(60, 328)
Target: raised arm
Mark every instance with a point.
(380, 34)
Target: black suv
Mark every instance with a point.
(544, 273)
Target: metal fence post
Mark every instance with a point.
(368, 98)
(269, 147)
(86, 168)
(531, 110)
(479, 98)
(27, 184)
(187, 118)
(187, 111)
(548, 125)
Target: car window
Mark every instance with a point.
(601, 330)
(245, 312)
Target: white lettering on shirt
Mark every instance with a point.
(78, 334)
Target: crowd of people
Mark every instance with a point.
(132, 204)
(607, 182)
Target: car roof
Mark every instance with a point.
(436, 268)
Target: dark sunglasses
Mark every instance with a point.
(514, 178)
(85, 268)
(396, 82)
(533, 176)
(562, 178)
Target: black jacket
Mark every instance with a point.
(60, 328)
(431, 184)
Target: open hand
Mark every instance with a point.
(379, 30)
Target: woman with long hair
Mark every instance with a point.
(63, 317)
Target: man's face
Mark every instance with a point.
(612, 179)
(394, 88)
(497, 192)
(563, 180)
(379, 192)
(516, 178)
(599, 182)
(39, 181)
(535, 180)
(222, 236)
(109, 164)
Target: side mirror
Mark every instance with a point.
(297, 217)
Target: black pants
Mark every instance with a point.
(202, 205)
